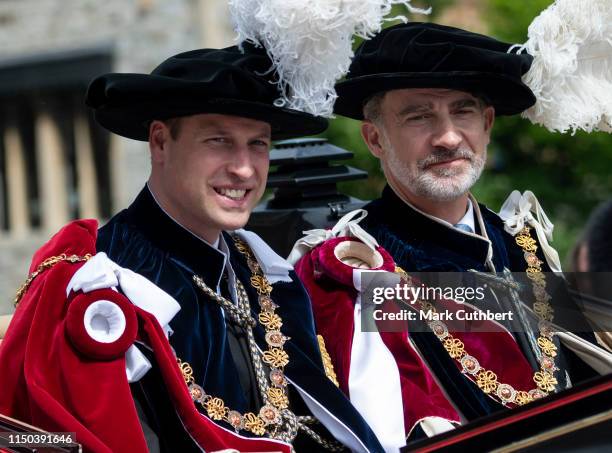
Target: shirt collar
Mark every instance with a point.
(468, 218)
(228, 269)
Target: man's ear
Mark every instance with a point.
(159, 134)
(489, 116)
(372, 136)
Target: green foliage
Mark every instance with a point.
(570, 174)
(509, 19)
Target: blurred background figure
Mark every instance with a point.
(593, 249)
(591, 260)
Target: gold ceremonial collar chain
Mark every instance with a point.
(274, 418)
(48, 263)
(486, 379)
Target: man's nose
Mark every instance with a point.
(446, 135)
(241, 162)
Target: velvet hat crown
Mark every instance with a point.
(227, 81)
(426, 55)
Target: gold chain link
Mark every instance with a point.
(48, 263)
(487, 380)
(276, 400)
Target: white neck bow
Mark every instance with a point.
(518, 211)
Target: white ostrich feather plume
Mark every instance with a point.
(310, 42)
(571, 74)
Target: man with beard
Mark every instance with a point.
(428, 96)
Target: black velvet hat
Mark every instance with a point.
(425, 55)
(226, 81)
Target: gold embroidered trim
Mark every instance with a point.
(328, 366)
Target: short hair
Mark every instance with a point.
(372, 107)
(174, 124)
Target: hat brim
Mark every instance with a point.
(127, 103)
(508, 96)
(285, 123)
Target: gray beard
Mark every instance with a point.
(444, 184)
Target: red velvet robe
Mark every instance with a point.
(55, 376)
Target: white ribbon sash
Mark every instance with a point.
(372, 364)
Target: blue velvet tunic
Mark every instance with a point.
(143, 238)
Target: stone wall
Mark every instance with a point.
(139, 34)
(141, 31)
